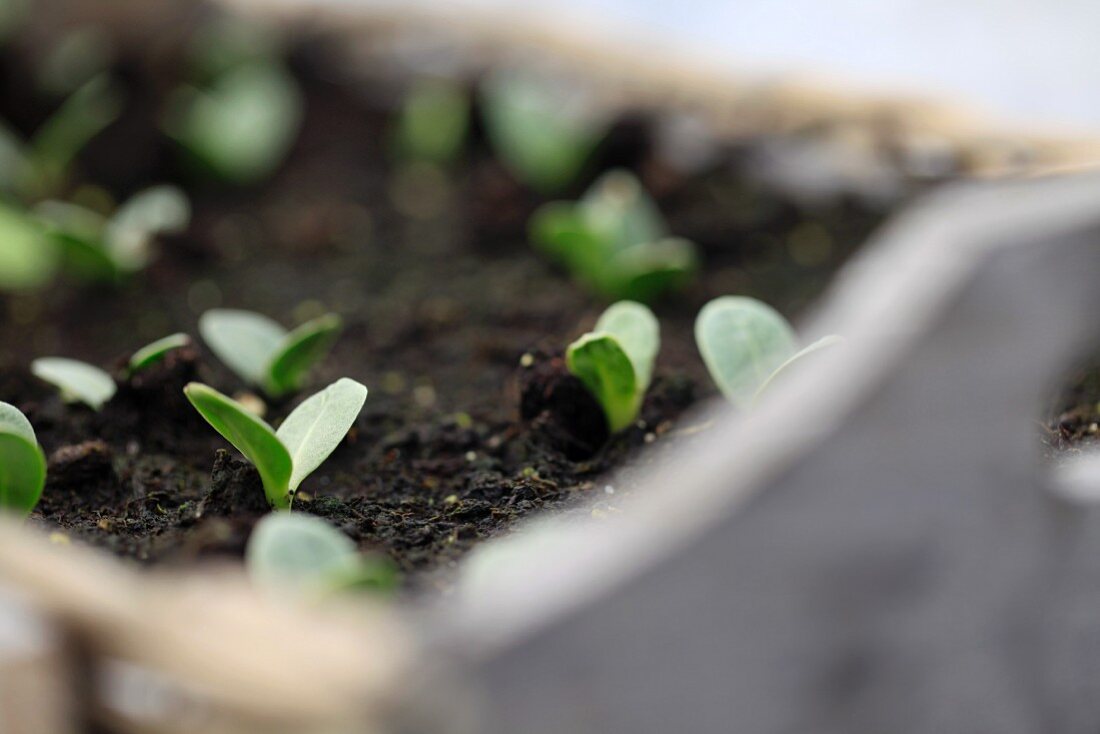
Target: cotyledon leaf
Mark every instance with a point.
(317, 426)
(298, 351)
(743, 341)
(245, 341)
(251, 436)
(638, 333)
(599, 361)
(22, 463)
(77, 381)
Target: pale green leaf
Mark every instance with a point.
(316, 427)
(637, 331)
(131, 229)
(155, 352)
(542, 132)
(298, 352)
(13, 421)
(77, 381)
(742, 342)
(646, 270)
(28, 258)
(243, 126)
(600, 363)
(300, 553)
(617, 209)
(251, 436)
(245, 341)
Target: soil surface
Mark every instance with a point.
(453, 322)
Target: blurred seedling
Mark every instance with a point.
(156, 352)
(78, 382)
(615, 241)
(263, 353)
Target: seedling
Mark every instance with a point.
(28, 258)
(615, 360)
(78, 382)
(284, 458)
(747, 345)
(95, 247)
(305, 555)
(22, 463)
(38, 167)
(614, 240)
(153, 353)
(240, 119)
(543, 133)
(265, 354)
(433, 123)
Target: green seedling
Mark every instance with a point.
(38, 167)
(151, 354)
(307, 556)
(28, 258)
(78, 382)
(107, 249)
(284, 458)
(615, 360)
(543, 133)
(433, 123)
(747, 345)
(614, 240)
(22, 463)
(265, 354)
(241, 121)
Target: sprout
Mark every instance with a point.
(433, 122)
(615, 360)
(747, 345)
(614, 240)
(265, 354)
(78, 382)
(306, 438)
(542, 132)
(149, 355)
(242, 125)
(106, 249)
(308, 556)
(22, 463)
(38, 167)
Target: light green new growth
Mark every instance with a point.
(242, 125)
(614, 240)
(307, 556)
(434, 121)
(77, 381)
(265, 354)
(284, 458)
(747, 345)
(27, 258)
(22, 463)
(542, 132)
(615, 361)
(150, 354)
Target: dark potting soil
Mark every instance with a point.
(453, 322)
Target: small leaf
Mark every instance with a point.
(249, 435)
(637, 331)
(130, 231)
(299, 351)
(298, 552)
(743, 341)
(599, 362)
(155, 352)
(434, 121)
(77, 381)
(799, 361)
(13, 421)
(78, 232)
(316, 427)
(245, 341)
(244, 125)
(22, 472)
(28, 258)
(618, 210)
(542, 132)
(645, 271)
(81, 117)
